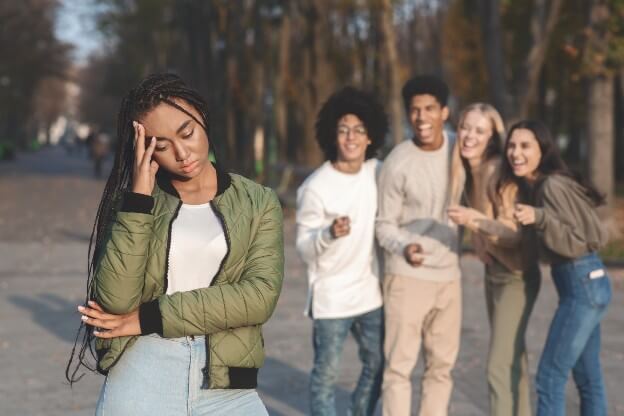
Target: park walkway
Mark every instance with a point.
(47, 203)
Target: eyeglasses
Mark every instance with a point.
(357, 131)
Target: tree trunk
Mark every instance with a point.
(619, 126)
(600, 126)
(317, 78)
(393, 65)
(543, 21)
(601, 134)
(545, 15)
(281, 88)
(494, 55)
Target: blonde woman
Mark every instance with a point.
(511, 273)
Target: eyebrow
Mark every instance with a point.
(346, 125)
(179, 130)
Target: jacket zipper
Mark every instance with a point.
(206, 369)
(175, 215)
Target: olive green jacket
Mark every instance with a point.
(132, 273)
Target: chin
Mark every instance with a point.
(520, 174)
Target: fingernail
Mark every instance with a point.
(96, 332)
(81, 308)
(84, 318)
(91, 302)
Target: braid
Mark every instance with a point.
(152, 91)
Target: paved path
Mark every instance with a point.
(47, 201)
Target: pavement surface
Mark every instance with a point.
(47, 205)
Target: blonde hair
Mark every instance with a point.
(493, 148)
(498, 127)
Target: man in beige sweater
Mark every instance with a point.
(422, 292)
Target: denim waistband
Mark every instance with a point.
(584, 259)
(193, 339)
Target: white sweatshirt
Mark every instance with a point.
(343, 275)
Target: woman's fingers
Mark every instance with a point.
(95, 306)
(147, 156)
(100, 323)
(105, 334)
(93, 313)
(139, 147)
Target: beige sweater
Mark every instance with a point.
(413, 198)
(495, 231)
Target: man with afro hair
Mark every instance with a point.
(336, 207)
(422, 292)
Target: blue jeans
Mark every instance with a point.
(573, 343)
(162, 376)
(329, 336)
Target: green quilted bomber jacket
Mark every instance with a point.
(132, 273)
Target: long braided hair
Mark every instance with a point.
(152, 91)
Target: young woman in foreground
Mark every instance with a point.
(562, 209)
(187, 266)
(512, 278)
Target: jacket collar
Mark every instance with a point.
(163, 178)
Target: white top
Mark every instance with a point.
(343, 275)
(197, 248)
(413, 199)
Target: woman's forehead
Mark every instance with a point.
(166, 117)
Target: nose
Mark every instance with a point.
(181, 152)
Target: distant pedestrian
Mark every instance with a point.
(100, 146)
(562, 210)
(336, 209)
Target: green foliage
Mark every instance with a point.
(604, 41)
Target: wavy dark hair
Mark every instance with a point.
(350, 100)
(152, 91)
(550, 163)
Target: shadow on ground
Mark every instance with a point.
(54, 314)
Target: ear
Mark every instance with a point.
(445, 113)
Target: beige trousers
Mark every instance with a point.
(420, 311)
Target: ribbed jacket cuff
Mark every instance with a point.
(139, 203)
(539, 218)
(150, 318)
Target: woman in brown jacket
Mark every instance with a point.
(511, 278)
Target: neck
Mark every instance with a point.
(475, 163)
(430, 147)
(202, 188)
(348, 166)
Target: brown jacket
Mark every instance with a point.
(566, 220)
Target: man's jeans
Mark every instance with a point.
(573, 343)
(329, 336)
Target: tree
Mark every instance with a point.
(603, 55)
(26, 58)
(514, 97)
(392, 60)
(50, 102)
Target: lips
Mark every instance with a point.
(189, 167)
